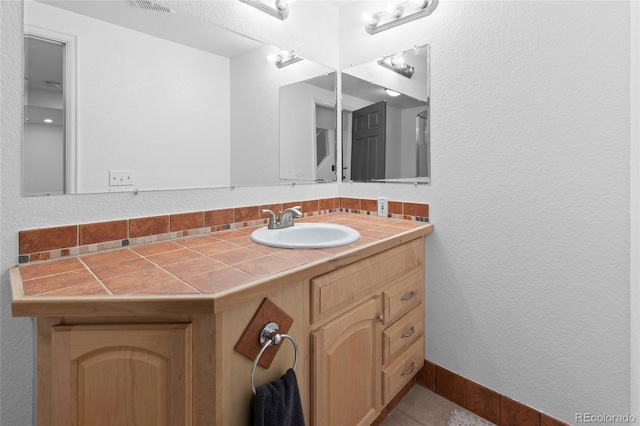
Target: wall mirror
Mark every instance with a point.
(308, 124)
(385, 119)
(142, 97)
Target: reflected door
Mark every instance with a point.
(368, 147)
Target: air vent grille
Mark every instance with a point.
(149, 5)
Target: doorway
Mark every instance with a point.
(48, 157)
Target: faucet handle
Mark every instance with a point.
(294, 210)
(272, 219)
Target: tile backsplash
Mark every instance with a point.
(72, 240)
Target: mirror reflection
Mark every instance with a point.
(148, 99)
(385, 116)
(308, 124)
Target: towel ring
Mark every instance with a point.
(270, 336)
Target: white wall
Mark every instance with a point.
(409, 143)
(297, 129)
(635, 208)
(393, 141)
(43, 159)
(528, 279)
(255, 84)
(161, 109)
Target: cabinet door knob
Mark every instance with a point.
(410, 370)
(409, 334)
(409, 296)
(381, 317)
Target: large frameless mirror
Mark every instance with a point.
(308, 124)
(149, 98)
(386, 120)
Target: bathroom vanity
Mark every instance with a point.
(169, 358)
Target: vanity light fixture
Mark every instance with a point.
(397, 64)
(285, 58)
(399, 14)
(276, 8)
(392, 93)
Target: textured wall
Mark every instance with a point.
(528, 268)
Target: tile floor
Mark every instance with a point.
(421, 407)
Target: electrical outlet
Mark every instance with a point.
(383, 206)
(298, 174)
(122, 178)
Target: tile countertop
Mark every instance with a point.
(198, 274)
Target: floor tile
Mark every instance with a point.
(424, 408)
(398, 418)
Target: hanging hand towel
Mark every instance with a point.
(278, 403)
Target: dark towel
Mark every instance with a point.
(278, 403)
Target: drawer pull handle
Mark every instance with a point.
(409, 296)
(410, 370)
(409, 334)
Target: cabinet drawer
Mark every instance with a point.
(403, 296)
(402, 334)
(398, 374)
(338, 290)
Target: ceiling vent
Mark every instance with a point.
(149, 5)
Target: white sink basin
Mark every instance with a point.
(306, 236)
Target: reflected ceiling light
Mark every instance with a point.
(285, 58)
(392, 93)
(53, 84)
(397, 64)
(276, 8)
(48, 120)
(399, 14)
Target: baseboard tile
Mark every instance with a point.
(486, 403)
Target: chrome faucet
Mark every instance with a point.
(285, 219)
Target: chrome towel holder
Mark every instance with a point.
(270, 336)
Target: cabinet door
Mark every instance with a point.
(346, 368)
(121, 374)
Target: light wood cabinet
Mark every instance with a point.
(346, 379)
(359, 328)
(368, 338)
(121, 374)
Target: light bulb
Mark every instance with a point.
(369, 20)
(393, 10)
(398, 62)
(392, 93)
